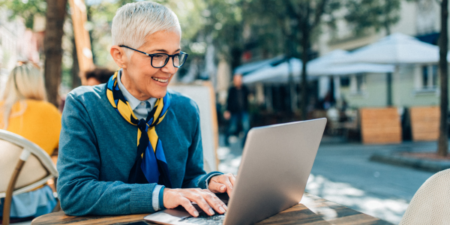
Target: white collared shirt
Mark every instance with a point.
(140, 108)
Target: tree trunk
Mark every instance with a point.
(75, 71)
(56, 12)
(443, 67)
(292, 94)
(289, 48)
(304, 82)
(387, 25)
(388, 75)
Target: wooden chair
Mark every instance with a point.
(380, 126)
(431, 203)
(24, 165)
(425, 123)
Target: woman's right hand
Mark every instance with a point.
(204, 198)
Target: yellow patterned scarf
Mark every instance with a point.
(150, 165)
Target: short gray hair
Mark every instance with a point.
(134, 21)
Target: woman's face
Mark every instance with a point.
(140, 78)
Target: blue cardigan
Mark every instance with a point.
(97, 150)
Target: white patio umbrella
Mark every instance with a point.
(275, 74)
(394, 49)
(250, 67)
(325, 66)
(339, 70)
(280, 73)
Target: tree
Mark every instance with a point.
(309, 17)
(25, 9)
(443, 68)
(300, 22)
(55, 16)
(223, 25)
(276, 34)
(368, 15)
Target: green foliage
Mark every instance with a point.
(269, 27)
(100, 15)
(269, 24)
(223, 22)
(189, 14)
(373, 14)
(26, 9)
(288, 22)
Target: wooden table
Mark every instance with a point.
(312, 210)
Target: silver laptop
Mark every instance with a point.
(275, 167)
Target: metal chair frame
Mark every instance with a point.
(28, 149)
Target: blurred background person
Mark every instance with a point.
(99, 75)
(237, 109)
(24, 110)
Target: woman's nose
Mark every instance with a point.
(169, 68)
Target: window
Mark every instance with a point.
(425, 76)
(345, 81)
(434, 75)
(357, 83)
(429, 77)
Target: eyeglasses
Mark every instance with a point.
(159, 60)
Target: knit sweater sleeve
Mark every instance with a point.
(79, 188)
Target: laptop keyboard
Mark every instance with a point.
(205, 219)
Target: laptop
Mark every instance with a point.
(275, 167)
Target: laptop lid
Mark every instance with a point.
(275, 167)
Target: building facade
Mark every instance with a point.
(412, 85)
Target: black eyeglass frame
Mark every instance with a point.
(167, 60)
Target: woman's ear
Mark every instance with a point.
(119, 56)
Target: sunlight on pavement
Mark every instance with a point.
(231, 166)
(388, 209)
(380, 204)
(228, 162)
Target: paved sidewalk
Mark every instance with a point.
(343, 173)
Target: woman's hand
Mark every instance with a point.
(222, 183)
(204, 198)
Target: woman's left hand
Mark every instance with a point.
(222, 183)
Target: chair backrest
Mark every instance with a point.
(431, 203)
(37, 169)
(380, 125)
(425, 123)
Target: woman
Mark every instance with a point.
(25, 111)
(132, 146)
